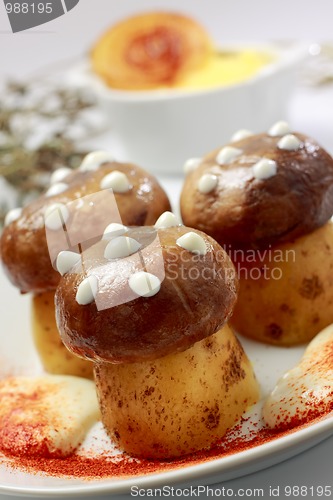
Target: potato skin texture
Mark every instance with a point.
(293, 309)
(180, 403)
(55, 357)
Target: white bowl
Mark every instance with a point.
(161, 129)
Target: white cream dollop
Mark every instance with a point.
(60, 174)
(55, 216)
(279, 128)
(192, 242)
(66, 260)
(289, 142)
(241, 134)
(56, 189)
(264, 169)
(53, 411)
(87, 290)
(12, 215)
(207, 183)
(306, 389)
(94, 160)
(114, 229)
(167, 219)
(144, 284)
(191, 164)
(117, 181)
(227, 155)
(121, 247)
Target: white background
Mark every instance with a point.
(311, 111)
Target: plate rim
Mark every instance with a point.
(322, 428)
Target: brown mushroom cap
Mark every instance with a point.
(24, 248)
(195, 299)
(244, 211)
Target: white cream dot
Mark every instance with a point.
(264, 169)
(12, 216)
(144, 284)
(56, 215)
(117, 181)
(66, 260)
(227, 155)
(241, 134)
(279, 128)
(114, 229)
(289, 142)
(315, 49)
(207, 183)
(87, 291)
(167, 219)
(60, 174)
(192, 242)
(121, 247)
(191, 164)
(58, 188)
(95, 159)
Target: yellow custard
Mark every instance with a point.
(167, 50)
(225, 68)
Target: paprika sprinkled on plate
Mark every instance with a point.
(124, 466)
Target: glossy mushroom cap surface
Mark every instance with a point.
(262, 189)
(24, 248)
(108, 311)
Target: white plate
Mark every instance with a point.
(17, 355)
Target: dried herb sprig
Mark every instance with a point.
(41, 128)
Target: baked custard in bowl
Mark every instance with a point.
(169, 51)
(161, 80)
